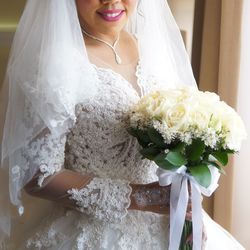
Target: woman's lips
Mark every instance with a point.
(111, 15)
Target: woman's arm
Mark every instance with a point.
(144, 197)
(150, 197)
(104, 198)
(56, 186)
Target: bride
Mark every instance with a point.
(75, 69)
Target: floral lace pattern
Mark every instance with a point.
(46, 152)
(71, 230)
(49, 239)
(101, 130)
(107, 199)
(137, 231)
(99, 144)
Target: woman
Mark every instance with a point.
(76, 68)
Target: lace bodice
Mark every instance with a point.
(98, 144)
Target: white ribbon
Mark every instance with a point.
(179, 201)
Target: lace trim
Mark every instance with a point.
(140, 80)
(47, 171)
(106, 199)
(46, 153)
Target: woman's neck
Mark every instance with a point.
(107, 36)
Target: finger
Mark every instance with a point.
(204, 233)
(189, 207)
(204, 237)
(189, 239)
(189, 216)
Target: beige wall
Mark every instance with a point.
(5, 39)
(10, 12)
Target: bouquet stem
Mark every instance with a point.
(187, 230)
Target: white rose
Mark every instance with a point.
(236, 131)
(177, 116)
(209, 97)
(216, 124)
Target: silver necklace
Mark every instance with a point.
(113, 47)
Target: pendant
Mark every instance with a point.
(118, 59)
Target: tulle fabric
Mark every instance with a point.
(48, 71)
(162, 51)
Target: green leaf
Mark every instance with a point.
(221, 170)
(150, 152)
(132, 131)
(176, 158)
(187, 230)
(220, 156)
(162, 162)
(179, 147)
(229, 151)
(156, 137)
(141, 136)
(195, 150)
(202, 174)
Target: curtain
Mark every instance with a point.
(241, 198)
(224, 69)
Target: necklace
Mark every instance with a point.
(113, 47)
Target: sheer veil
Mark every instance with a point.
(49, 72)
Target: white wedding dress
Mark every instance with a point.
(99, 144)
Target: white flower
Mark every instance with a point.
(186, 113)
(176, 117)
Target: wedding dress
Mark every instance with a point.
(99, 144)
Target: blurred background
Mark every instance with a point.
(217, 35)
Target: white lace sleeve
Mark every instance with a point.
(46, 152)
(105, 199)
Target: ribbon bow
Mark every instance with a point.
(179, 201)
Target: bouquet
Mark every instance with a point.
(188, 134)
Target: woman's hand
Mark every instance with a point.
(150, 197)
(153, 198)
(189, 239)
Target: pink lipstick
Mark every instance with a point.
(111, 15)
